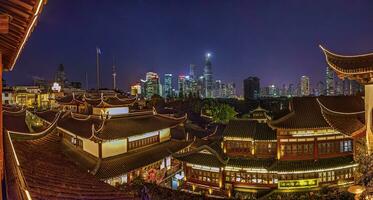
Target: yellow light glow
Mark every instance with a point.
(210, 190)
(28, 195)
(27, 33)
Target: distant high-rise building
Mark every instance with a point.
(151, 85)
(192, 72)
(338, 83)
(320, 89)
(231, 90)
(304, 86)
(207, 73)
(251, 88)
(284, 90)
(269, 91)
(60, 76)
(329, 80)
(167, 86)
(218, 89)
(182, 83)
(292, 90)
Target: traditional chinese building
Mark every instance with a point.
(37, 166)
(309, 147)
(118, 148)
(359, 68)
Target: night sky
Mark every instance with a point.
(274, 40)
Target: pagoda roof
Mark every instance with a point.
(349, 120)
(44, 172)
(312, 165)
(123, 163)
(245, 128)
(305, 113)
(23, 17)
(100, 128)
(349, 65)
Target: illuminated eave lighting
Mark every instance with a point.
(36, 15)
(28, 195)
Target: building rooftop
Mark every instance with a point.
(120, 164)
(349, 120)
(349, 65)
(305, 113)
(311, 165)
(245, 128)
(39, 166)
(113, 128)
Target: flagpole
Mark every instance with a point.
(86, 81)
(98, 68)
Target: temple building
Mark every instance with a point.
(117, 145)
(360, 69)
(37, 167)
(309, 147)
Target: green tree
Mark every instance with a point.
(222, 113)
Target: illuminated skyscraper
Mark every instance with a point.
(329, 80)
(167, 86)
(151, 85)
(208, 77)
(182, 84)
(304, 86)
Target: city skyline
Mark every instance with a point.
(254, 48)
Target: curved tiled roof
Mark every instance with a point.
(305, 165)
(127, 126)
(357, 64)
(305, 114)
(249, 129)
(343, 104)
(49, 174)
(120, 164)
(114, 128)
(23, 16)
(349, 120)
(15, 121)
(215, 157)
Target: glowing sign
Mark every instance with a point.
(292, 184)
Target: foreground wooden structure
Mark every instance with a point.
(17, 21)
(359, 68)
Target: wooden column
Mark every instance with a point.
(1, 127)
(4, 29)
(99, 149)
(315, 149)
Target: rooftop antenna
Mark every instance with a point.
(86, 81)
(114, 75)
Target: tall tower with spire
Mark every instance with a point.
(207, 74)
(114, 76)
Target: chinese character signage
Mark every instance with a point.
(293, 184)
